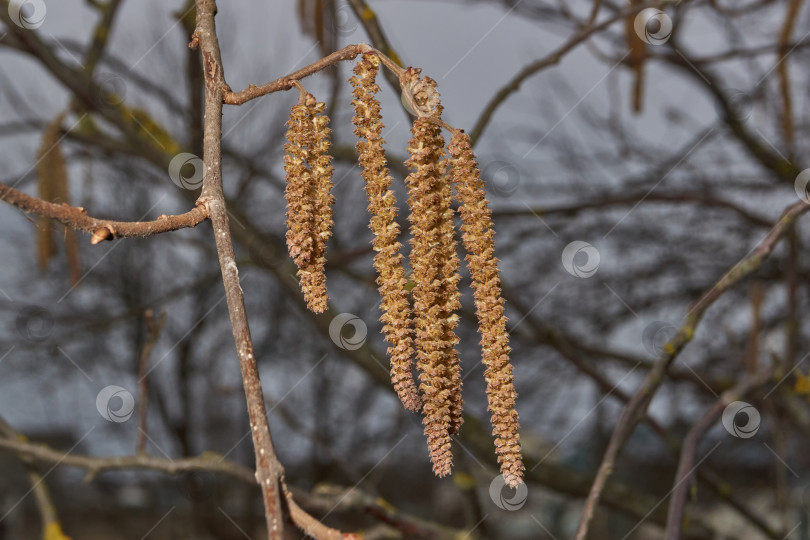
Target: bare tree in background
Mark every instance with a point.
(648, 189)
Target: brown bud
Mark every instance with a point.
(101, 234)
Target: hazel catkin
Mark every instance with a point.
(309, 199)
(391, 282)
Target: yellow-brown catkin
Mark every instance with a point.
(309, 201)
(52, 185)
(479, 244)
(449, 278)
(391, 282)
(433, 298)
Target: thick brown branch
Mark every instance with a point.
(269, 472)
(77, 218)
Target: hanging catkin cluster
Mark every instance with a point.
(309, 201)
(423, 334)
(396, 311)
(435, 293)
(480, 246)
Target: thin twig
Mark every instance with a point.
(368, 18)
(550, 59)
(686, 464)
(605, 201)
(77, 218)
(569, 349)
(208, 461)
(51, 527)
(791, 15)
(288, 81)
(154, 328)
(635, 411)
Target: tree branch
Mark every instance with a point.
(269, 472)
(288, 81)
(635, 411)
(77, 218)
(686, 467)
